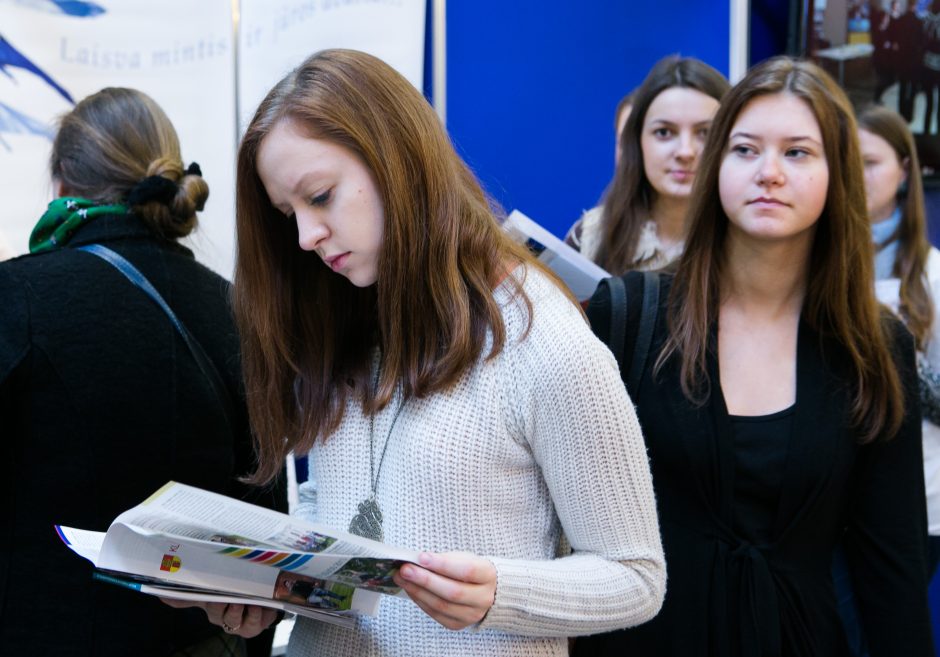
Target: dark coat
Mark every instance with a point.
(100, 405)
(726, 597)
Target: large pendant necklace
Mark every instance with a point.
(368, 521)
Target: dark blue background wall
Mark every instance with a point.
(532, 88)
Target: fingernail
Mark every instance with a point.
(407, 572)
(425, 559)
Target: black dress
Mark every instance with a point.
(735, 590)
(100, 405)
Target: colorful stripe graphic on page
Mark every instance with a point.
(283, 560)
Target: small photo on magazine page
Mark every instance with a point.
(311, 592)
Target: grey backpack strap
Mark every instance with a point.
(644, 335)
(618, 317)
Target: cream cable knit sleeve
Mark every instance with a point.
(542, 438)
(572, 409)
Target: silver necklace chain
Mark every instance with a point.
(368, 520)
(373, 475)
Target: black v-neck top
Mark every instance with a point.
(731, 596)
(761, 443)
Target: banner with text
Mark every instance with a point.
(206, 66)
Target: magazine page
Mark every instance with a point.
(246, 533)
(578, 273)
(83, 542)
(199, 595)
(186, 537)
(135, 560)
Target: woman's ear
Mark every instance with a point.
(902, 186)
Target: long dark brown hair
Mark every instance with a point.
(910, 265)
(308, 334)
(629, 196)
(840, 303)
(111, 141)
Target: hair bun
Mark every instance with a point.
(153, 189)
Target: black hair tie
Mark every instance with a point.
(153, 189)
(194, 170)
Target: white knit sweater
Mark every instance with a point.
(542, 438)
(587, 235)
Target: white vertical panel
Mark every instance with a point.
(276, 35)
(439, 35)
(739, 41)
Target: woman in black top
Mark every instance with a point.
(777, 400)
(100, 400)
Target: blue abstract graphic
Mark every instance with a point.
(17, 123)
(11, 120)
(75, 8)
(78, 8)
(10, 56)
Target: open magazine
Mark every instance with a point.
(190, 544)
(578, 273)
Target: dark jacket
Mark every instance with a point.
(909, 35)
(726, 597)
(100, 405)
(884, 39)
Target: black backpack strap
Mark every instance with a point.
(618, 317)
(644, 335)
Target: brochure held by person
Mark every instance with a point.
(577, 272)
(187, 543)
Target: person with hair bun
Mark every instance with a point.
(102, 402)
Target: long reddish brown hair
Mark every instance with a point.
(840, 303)
(910, 265)
(629, 196)
(308, 335)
